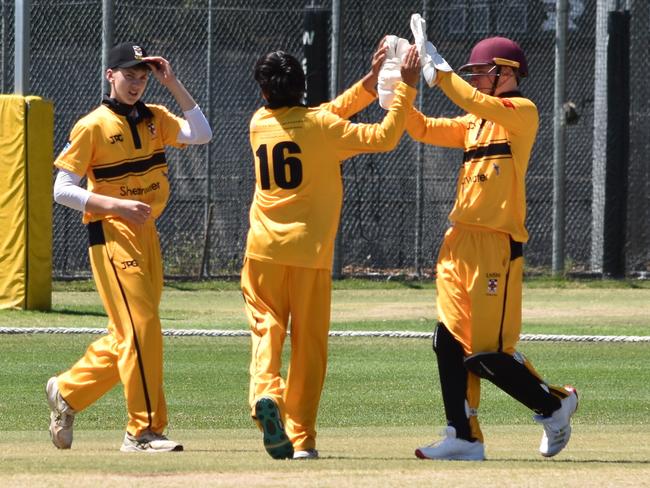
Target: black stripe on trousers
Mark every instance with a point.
(516, 251)
(96, 237)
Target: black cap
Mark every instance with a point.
(126, 55)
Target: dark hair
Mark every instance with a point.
(281, 79)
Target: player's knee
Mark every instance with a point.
(444, 341)
(489, 364)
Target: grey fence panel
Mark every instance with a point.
(379, 226)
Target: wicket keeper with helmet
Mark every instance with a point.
(480, 263)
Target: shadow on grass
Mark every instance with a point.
(78, 313)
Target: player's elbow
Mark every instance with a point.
(207, 135)
(204, 135)
(57, 194)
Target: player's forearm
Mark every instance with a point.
(102, 204)
(181, 95)
(435, 131)
(68, 193)
(385, 135)
(489, 107)
(351, 101)
(395, 120)
(369, 82)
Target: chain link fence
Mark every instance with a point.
(396, 204)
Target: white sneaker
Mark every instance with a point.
(61, 416)
(306, 454)
(149, 442)
(452, 448)
(557, 427)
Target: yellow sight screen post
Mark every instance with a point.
(26, 155)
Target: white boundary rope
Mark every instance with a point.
(333, 333)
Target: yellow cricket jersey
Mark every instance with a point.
(497, 135)
(122, 158)
(297, 153)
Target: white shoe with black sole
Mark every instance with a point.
(149, 442)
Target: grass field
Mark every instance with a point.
(381, 397)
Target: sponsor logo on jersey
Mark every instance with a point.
(152, 129)
(116, 138)
(479, 178)
(126, 191)
(492, 286)
(129, 264)
(507, 103)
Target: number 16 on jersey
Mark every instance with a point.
(286, 169)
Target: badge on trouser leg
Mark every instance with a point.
(276, 442)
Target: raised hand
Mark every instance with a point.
(410, 68)
(378, 58)
(161, 69)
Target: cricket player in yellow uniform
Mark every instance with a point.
(120, 148)
(294, 218)
(480, 264)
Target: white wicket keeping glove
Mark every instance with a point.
(430, 59)
(390, 74)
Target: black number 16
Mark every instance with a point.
(287, 170)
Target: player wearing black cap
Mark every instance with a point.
(119, 148)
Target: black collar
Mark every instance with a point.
(275, 106)
(511, 94)
(137, 112)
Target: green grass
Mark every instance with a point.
(582, 310)
(381, 396)
(370, 382)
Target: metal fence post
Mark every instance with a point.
(21, 47)
(419, 183)
(335, 85)
(559, 136)
(599, 154)
(204, 271)
(4, 56)
(107, 43)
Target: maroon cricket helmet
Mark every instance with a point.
(499, 51)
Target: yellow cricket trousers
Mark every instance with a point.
(127, 268)
(275, 294)
(479, 286)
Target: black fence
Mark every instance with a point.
(388, 226)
